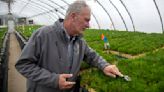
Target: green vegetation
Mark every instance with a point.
(2, 32)
(126, 42)
(146, 72)
(27, 30)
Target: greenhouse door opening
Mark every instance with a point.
(11, 26)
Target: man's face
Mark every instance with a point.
(81, 21)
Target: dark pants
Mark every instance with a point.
(77, 87)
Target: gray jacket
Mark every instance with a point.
(45, 57)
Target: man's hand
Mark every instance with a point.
(63, 84)
(112, 70)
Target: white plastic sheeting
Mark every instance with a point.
(143, 13)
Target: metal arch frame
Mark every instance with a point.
(37, 9)
(43, 13)
(57, 4)
(40, 7)
(9, 2)
(107, 14)
(91, 13)
(24, 7)
(65, 2)
(159, 15)
(128, 14)
(43, 7)
(21, 6)
(6, 6)
(119, 14)
(96, 20)
(32, 6)
(52, 7)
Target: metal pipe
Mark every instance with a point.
(45, 8)
(107, 14)
(119, 14)
(39, 8)
(159, 15)
(128, 14)
(24, 7)
(52, 7)
(35, 10)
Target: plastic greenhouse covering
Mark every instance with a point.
(131, 15)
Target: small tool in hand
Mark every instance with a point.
(125, 77)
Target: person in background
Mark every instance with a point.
(52, 57)
(106, 43)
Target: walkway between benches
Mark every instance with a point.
(16, 82)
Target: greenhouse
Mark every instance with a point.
(82, 45)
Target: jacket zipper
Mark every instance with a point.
(58, 50)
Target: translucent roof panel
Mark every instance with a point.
(3, 8)
(130, 15)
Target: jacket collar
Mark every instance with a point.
(61, 31)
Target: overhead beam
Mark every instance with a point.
(128, 14)
(159, 15)
(119, 14)
(107, 14)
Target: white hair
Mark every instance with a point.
(76, 7)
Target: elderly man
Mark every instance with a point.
(51, 59)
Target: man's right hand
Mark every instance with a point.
(63, 84)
